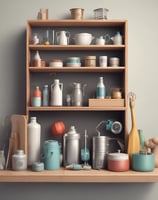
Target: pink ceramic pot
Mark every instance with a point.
(118, 162)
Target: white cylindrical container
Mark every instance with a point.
(56, 93)
(19, 160)
(34, 141)
(103, 61)
(100, 91)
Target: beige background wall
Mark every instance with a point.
(143, 52)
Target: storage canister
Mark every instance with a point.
(100, 149)
(77, 13)
(19, 160)
(51, 155)
(118, 162)
(90, 61)
(114, 62)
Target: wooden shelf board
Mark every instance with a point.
(91, 176)
(71, 22)
(77, 69)
(76, 47)
(75, 108)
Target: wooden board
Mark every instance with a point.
(18, 137)
(106, 102)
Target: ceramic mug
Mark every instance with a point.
(143, 162)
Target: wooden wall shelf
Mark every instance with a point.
(92, 176)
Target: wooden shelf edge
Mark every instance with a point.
(76, 47)
(72, 22)
(92, 176)
(77, 69)
(75, 108)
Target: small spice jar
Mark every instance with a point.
(90, 61)
(116, 93)
(114, 62)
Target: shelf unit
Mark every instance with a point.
(63, 175)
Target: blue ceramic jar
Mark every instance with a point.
(51, 155)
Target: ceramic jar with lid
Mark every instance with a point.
(90, 61)
(56, 63)
(114, 62)
(118, 162)
(19, 160)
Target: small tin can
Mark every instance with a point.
(90, 61)
(114, 62)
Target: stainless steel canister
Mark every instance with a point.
(71, 147)
(100, 151)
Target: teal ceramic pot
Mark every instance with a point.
(143, 162)
(51, 155)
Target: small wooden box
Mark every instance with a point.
(106, 102)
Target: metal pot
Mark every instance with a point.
(118, 162)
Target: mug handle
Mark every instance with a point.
(107, 38)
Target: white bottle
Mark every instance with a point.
(34, 141)
(100, 91)
(56, 93)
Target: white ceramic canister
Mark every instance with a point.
(19, 160)
(34, 141)
(103, 61)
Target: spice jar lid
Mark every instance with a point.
(56, 60)
(90, 57)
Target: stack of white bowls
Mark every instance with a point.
(73, 62)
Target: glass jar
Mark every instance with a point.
(90, 61)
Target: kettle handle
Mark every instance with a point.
(83, 89)
(61, 86)
(107, 38)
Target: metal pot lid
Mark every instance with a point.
(118, 156)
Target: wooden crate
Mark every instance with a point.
(106, 102)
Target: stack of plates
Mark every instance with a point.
(73, 62)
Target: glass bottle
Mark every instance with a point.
(37, 59)
(100, 91)
(45, 95)
(34, 141)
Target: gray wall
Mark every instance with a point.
(143, 47)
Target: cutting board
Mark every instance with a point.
(18, 138)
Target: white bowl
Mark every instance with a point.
(83, 38)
